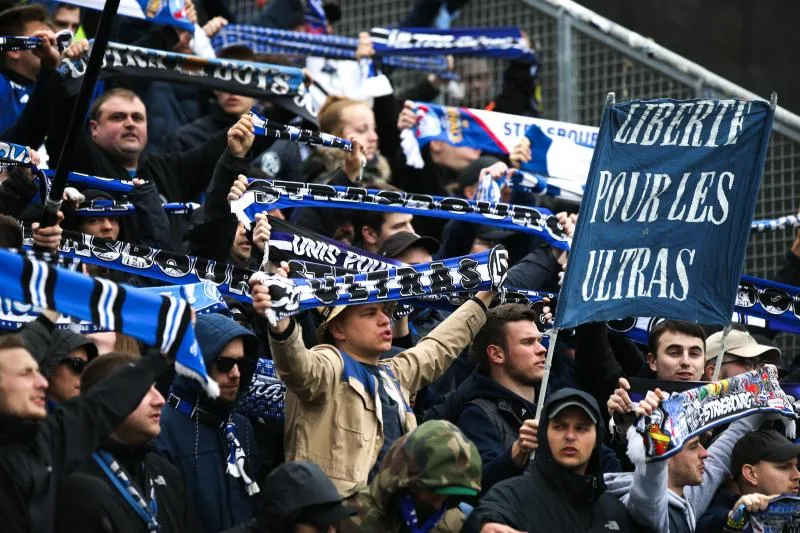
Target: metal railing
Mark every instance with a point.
(584, 56)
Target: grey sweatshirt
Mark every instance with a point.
(644, 491)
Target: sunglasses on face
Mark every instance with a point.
(774, 301)
(226, 364)
(75, 364)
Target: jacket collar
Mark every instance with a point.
(17, 431)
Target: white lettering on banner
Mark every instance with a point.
(639, 273)
(634, 197)
(688, 124)
(726, 405)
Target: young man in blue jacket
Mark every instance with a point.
(213, 446)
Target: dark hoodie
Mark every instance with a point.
(197, 446)
(491, 418)
(550, 498)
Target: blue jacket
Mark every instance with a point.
(14, 94)
(197, 446)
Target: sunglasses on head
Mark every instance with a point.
(76, 364)
(226, 364)
(774, 301)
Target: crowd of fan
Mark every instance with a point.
(422, 424)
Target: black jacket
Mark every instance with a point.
(35, 456)
(213, 227)
(195, 133)
(536, 271)
(549, 498)
(16, 192)
(491, 418)
(89, 505)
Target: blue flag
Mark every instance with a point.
(160, 321)
(666, 211)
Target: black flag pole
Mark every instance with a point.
(59, 183)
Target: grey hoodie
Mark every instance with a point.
(644, 491)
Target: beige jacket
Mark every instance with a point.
(332, 420)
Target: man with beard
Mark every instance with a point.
(213, 446)
(500, 395)
(94, 496)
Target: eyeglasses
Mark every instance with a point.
(76, 364)
(748, 363)
(774, 301)
(226, 364)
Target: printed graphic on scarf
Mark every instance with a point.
(782, 516)
(688, 414)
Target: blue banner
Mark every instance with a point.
(667, 211)
(265, 195)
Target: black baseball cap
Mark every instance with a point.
(572, 401)
(761, 445)
(403, 240)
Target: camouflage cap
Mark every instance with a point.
(436, 457)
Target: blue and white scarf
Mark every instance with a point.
(264, 195)
(98, 208)
(16, 43)
(203, 297)
(269, 128)
(266, 398)
(236, 460)
(259, 80)
(563, 150)
(278, 41)
(505, 43)
(160, 321)
(152, 263)
(482, 271)
(146, 510)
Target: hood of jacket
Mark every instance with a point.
(213, 332)
(433, 456)
(588, 487)
(62, 342)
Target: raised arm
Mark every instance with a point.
(79, 426)
(423, 364)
